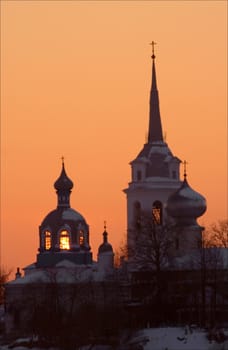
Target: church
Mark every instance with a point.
(164, 241)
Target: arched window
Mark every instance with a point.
(157, 212)
(64, 240)
(139, 175)
(81, 238)
(47, 240)
(137, 215)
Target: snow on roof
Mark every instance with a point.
(71, 214)
(188, 192)
(64, 272)
(66, 263)
(31, 266)
(213, 255)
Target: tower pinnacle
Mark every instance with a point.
(185, 169)
(155, 127)
(152, 44)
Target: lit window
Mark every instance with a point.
(47, 240)
(157, 212)
(64, 242)
(156, 215)
(81, 237)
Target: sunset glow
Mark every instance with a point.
(75, 81)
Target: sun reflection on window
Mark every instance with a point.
(81, 240)
(64, 242)
(47, 240)
(157, 215)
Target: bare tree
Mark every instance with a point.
(153, 242)
(150, 259)
(217, 234)
(209, 262)
(121, 252)
(4, 277)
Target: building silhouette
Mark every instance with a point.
(163, 278)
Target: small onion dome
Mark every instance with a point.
(63, 182)
(105, 247)
(185, 205)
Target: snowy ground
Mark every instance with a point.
(167, 338)
(176, 339)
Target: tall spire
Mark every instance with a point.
(155, 127)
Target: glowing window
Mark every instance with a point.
(81, 240)
(47, 240)
(81, 237)
(157, 212)
(64, 241)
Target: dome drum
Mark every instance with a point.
(64, 233)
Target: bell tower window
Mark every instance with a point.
(137, 215)
(157, 213)
(47, 240)
(139, 175)
(64, 240)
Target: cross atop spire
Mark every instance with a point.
(105, 234)
(152, 44)
(62, 160)
(155, 126)
(185, 169)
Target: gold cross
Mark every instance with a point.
(62, 159)
(105, 225)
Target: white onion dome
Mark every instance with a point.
(186, 205)
(105, 247)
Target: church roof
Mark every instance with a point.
(60, 216)
(185, 204)
(155, 152)
(155, 125)
(105, 247)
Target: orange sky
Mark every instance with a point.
(75, 81)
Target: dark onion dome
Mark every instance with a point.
(105, 247)
(63, 182)
(185, 205)
(61, 216)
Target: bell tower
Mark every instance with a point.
(155, 171)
